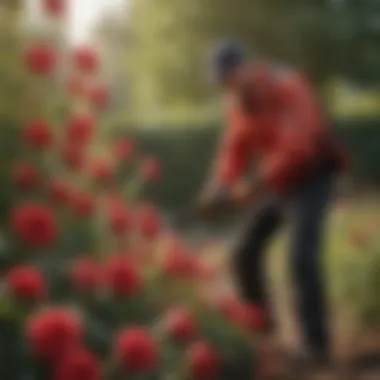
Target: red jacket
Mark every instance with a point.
(277, 125)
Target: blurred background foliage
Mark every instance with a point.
(166, 44)
(155, 64)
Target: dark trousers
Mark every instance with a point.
(304, 208)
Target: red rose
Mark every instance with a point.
(124, 149)
(85, 274)
(102, 171)
(256, 317)
(55, 7)
(150, 169)
(202, 362)
(136, 350)
(86, 59)
(122, 277)
(120, 219)
(54, 332)
(181, 325)
(73, 156)
(25, 175)
(232, 308)
(26, 283)
(37, 134)
(148, 220)
(34, 224)
(179, 264)
(79, 364)
(99, 96)
(247, 316)
(40, 59)
(83, 204)
(59, 191)
(80, 129)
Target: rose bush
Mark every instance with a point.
(94, 288)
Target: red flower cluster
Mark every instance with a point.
(86, 275)
(38, 134)
(102, 171)
(136, 350)
(73, 156)
(34, 224)
(25, 176)
(83, 204)
(40, 59)
(202, 362)
(86, 59)
(124, 149)
(150, 169)
(120, 219)
(26, 283)
(53, 333)
(59, 191)
(80, 129)
(181, 325)
(122, 277)
(149, 222)
(55, 8)
(248, 316)
(79, 364)
(179, 264)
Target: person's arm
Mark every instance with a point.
(231, 161)
(234, 152)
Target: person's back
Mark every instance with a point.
(274, 120)
(276, 126)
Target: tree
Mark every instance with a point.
(168, 58)
(361, 55)
(324, 38)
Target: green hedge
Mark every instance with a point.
(186, 153)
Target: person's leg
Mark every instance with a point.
(249, 269)
(308, 209)
(249, 254)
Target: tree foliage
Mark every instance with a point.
(172, 38)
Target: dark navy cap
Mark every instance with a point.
(226, 57)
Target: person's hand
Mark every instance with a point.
(205, 199)
(242, 192)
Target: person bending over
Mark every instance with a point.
(277, 144)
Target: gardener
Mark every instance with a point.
(277, 144)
